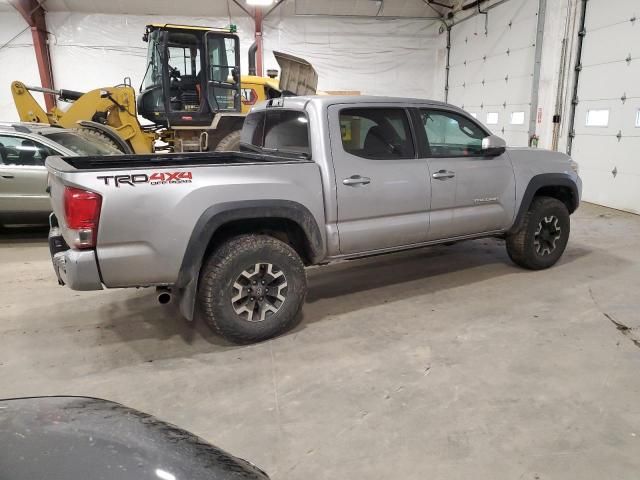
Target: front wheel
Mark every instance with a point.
(543, 235)
(252, 288)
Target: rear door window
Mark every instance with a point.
(280, 131)
(376, 133)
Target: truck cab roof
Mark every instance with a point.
(323, 101)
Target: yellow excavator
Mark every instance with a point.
(192, 94)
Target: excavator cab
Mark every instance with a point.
(192, 74)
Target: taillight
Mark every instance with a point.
(82, 212)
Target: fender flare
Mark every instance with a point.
(545, 180)
(220, 214)
(109, 132)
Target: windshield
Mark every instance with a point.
(83, 144)
(153, 74)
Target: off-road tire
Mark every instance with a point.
(223, 269)
(521, 245)
(98, 135)
(230, 143)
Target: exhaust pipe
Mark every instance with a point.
(164, 295)
(252, 58)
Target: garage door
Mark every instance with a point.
(607, 121)
(491, 74)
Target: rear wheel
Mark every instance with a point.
(543, 235)
(252, 288)
(230, 143)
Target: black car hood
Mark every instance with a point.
(78, 438)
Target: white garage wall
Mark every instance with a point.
(90, 51)
(18, 61)
(390, 57)
(493, 73)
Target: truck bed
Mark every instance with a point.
(145, 226)
(164, 160)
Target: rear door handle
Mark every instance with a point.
(355, 180)
(9, 177)
(443, 175)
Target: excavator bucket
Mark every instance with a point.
(297, 76)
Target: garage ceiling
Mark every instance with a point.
(402, 8)
(217, 8)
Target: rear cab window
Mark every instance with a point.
(377, 133)
(285, 132)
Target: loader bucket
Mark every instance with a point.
(297, 76)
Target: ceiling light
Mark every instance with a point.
(259, 3)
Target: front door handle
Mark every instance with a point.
(8, 177)
(443, 175)
(355, 180)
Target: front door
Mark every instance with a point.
(382, 187)
(470, 193)
(223, 72)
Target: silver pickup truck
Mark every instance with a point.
(320, 179)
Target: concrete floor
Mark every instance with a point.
(444, 363)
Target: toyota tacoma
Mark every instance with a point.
(319, 179)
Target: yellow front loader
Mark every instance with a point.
(192, 94)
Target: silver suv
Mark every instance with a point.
(23, 177)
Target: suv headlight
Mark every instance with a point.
(574, 166)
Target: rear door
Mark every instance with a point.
(470, 193)
(23, 177)
(382, 187)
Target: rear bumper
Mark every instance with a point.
(77, 269)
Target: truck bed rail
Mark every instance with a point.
(121, 162)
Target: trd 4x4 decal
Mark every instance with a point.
(156, 178)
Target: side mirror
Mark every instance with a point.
(492, 146)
